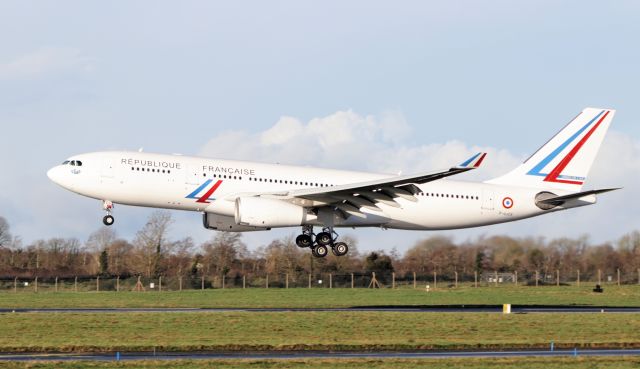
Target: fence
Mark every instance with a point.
(325, 280)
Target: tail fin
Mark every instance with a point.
(564, 161)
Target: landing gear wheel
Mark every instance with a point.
(340, 249)
(304, 240)
(108, 220)
(324, 239)
(320, 251)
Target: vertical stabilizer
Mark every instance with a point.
(564, 162)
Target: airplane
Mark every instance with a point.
(241, 196)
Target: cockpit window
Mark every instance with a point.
(75, 163)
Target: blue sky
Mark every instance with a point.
(438, 79)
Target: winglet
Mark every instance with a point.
(474, 161)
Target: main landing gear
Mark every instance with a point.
(108, 219)
(320, 243)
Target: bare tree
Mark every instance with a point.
(5, 234)
(222, 252)
(150, 243)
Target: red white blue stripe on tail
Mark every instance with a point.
(563, 163)
(555, 175)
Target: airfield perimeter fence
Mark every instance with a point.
(319, 280)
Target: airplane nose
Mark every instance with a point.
(54, 175)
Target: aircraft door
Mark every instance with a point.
(192, 176)
(488, 200)
(107, 168)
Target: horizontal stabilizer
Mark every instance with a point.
(559, 200)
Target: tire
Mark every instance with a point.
(320, 251)
(324, 238)
(340, 249)
(304, 240)
(108, 220)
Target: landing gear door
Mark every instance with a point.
(107, 168)
(488, 200)
(192, 175)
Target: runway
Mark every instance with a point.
(516, 309)
(129, 356)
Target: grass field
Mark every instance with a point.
(47, 332)
(628, 295)
(512, 363)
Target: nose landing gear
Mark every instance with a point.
(320, 243)
(108, 219)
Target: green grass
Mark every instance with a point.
(510, 363)
(46, 332)
(323, 297)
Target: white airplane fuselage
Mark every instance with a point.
(206, 185)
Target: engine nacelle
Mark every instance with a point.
(262, 212)
(226, 223)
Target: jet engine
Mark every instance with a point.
(266, 213)
(225, 223)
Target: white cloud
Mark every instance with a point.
(46, 61)
(349, 140)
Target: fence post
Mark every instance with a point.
(515, 278)
(286, 285)
(75, 284)
(244, 282)
(475, 277)
(36, 284)
(495, 278)
(537, 277)
(180, 283)
(558, 277)
(330, 280)
(415, 284)
(435, 279)
(160, 284)
(352, 278)
(618, 270)
(599, 276)
(15, 285)
(309, 280)
(202, 283)
(118, 283)
(224, 279)
(456, 274)
(267, 283)
(578, 280)
(393, 280)
(57, 284)
(98, 284)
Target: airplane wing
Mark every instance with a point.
(350, 198)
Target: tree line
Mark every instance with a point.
(152, 253)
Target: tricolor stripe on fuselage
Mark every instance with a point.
(207, 195)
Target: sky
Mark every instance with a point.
(364, 85)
